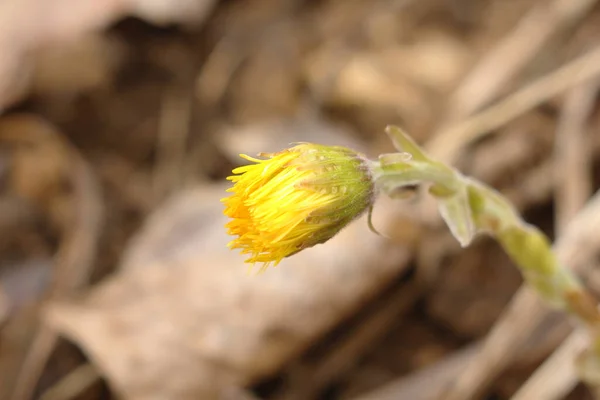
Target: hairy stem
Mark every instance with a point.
(470, 207)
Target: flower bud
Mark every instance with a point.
(295, 199)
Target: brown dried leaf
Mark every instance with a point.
(29, 25)
(183, 319)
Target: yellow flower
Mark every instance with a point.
(295, 199)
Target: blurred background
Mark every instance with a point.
(121, 119)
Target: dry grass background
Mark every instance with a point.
(121, 119)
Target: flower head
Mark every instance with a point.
(295, 199)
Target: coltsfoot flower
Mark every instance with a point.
(295, 199)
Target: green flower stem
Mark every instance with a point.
(470, 207)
